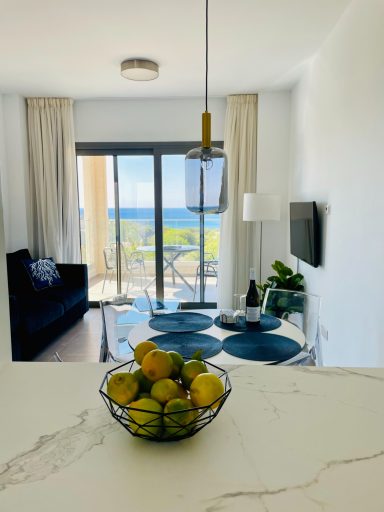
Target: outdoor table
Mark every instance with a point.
(170, 254)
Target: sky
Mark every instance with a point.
(136, 186)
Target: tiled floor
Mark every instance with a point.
(80, 343)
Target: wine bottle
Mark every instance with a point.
(252, 301)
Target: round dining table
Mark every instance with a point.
(143, 331)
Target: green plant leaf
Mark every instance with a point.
(284, 279)
(281, 269)
(277, 266)
(197, 355)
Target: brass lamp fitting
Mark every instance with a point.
(206, 128)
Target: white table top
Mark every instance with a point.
(143, 332)
(287, 439)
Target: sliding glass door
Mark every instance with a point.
(97, 228)
(135, 185)
(136, 233)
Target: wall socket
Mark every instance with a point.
(324, 332)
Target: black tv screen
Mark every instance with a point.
(304, 227)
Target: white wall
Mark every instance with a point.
(273, 157)
(15, 194)
(338, 158)
(146, 120)
(5, 338)
(180, 120)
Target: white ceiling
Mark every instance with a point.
(74, 47)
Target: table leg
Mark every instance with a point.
(170, 263)
(154, 279)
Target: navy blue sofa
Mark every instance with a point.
(37, 317)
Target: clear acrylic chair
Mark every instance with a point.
(303, 310)
(115, 328)
(57, 358)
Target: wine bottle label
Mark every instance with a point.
(253, 314)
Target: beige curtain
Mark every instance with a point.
(54, 221)
(237, 238)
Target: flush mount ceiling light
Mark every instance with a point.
(206, 168)
(139, 69)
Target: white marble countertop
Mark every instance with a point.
(287, 439)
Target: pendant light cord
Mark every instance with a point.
(206, 56)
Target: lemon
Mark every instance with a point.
(123, 388)
(164, 390)
(206, 389)
(179, 415)
(157, 364)
(190, 370)
(146, 419)
(178, 363)
(143, 348)
(144, 383)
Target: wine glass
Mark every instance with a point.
(239, 302)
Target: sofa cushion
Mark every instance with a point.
(43, 273)
(67, 296)
(40, 313)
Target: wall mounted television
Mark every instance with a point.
(305, 233)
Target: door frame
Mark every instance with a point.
(157, 150)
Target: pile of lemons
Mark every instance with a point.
(164, 383)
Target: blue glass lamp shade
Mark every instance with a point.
(206, 180)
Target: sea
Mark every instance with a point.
(172, 217)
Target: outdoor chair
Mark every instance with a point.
(109, 262)
(211, 268)
(303, 310)
(134, 264)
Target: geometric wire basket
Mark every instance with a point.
(153, 429)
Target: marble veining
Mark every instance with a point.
(55, 451)
(220, 501)
(244, 449)
(287, 439)
(339, 372)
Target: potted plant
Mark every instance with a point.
(284, 279)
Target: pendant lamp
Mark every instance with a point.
(206, 167)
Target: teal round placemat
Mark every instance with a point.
(188, 343)
(267, 323)
(181, 322)
(259, 346)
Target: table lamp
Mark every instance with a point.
(261, 207)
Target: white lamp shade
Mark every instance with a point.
(260, 207)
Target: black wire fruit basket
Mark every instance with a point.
(164, 426)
